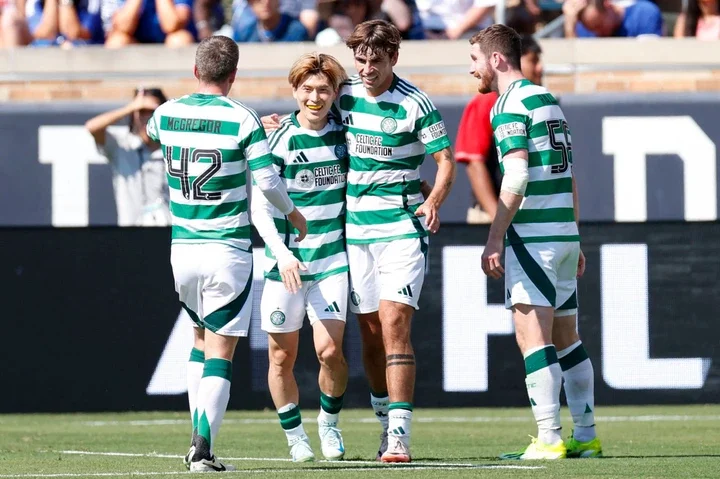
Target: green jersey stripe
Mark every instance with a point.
(216, 183)
(198, 99)
(325, 225)
(372, 164)
(180, 233)
(318, 198)
(381, 216)
(549, 187)
(539, 101)
(303, 142)
(206, 212)
(228, 156)
(325, 251)
(512, 143)
(398, 139)
(381, 108)
(260, 162)
(544, 158)
(547, 215)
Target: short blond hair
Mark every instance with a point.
(317, 64)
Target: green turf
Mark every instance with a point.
(682, 441)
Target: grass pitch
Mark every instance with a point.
(639, 442)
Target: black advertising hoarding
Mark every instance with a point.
(637, 158)
(94, 323)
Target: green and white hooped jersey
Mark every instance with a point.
(208, 142)
(527, 116)
(387, 137)
(314, 166)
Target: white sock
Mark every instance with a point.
(543, 381)
(291, 422)
(381, 406)
(326, 418)
(212, 399)
(194, 374)
(399, 423)
(579, 390)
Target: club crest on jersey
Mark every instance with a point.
(277, 318)
(305, 179)
(388, 125)
(341, 151)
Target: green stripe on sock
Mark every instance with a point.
(540, 359)
(290, 419)
(221, 368)
(197, 356)
(573, 358)
(401, 405)
(329, 404)
(204, 428)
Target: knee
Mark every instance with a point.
(281, 358)
(331, 356)
(180, 38)
(396, 327)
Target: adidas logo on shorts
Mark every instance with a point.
(406, 291)
(332, 308)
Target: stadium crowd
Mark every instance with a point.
(117, 23)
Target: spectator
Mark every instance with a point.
(270, 25)
(303, 10)
(347, 14)
(147, 21)
(700, 19)
(139, 178)
(474, 145)
(209, 17)
(601, 18)
(452, 19)
(522, 15)
(52, 23)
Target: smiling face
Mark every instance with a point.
(375, 69)
(481, 69)
(315, 96)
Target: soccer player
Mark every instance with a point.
(311, 156)
(474, 145)
(537, 218)
(209, 141)
(390, 126)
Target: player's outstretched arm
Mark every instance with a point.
(273, 188)
(443, 184)
(262, 218)
(512, 190)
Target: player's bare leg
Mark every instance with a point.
(400, 377)
(373, 350)
(282, 352)
(533, 331)
(212, 399)
(332, 379)
(579, 376)
(195, 366)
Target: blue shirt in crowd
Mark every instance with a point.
(288, 30)
(641, 18)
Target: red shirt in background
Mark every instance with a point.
(475, 136)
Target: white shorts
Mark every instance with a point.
(214, 282)
(542, 274)
(283, 312)
(393, 271)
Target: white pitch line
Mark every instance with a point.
(449, 419)
(262, 471)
